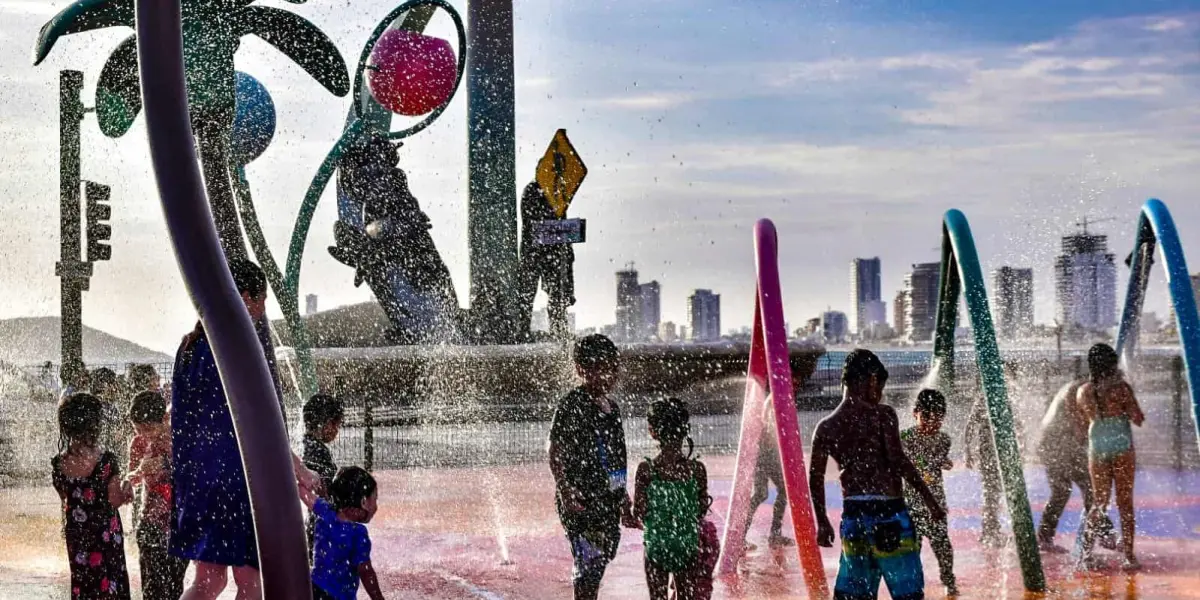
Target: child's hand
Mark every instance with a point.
(572, 499)
(825, 534)
(949, 464)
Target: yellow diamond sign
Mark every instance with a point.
(560, 173)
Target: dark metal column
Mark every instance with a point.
(492, 207)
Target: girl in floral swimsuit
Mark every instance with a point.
(88, 481)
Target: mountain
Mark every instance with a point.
(28, 341)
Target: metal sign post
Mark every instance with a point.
(73, 272)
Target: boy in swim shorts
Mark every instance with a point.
(878, 538)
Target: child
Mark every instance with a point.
(929, 449)
(150, 468)
(588, 461)
(768, 469)
(88, 481)
(670, 499)
(863, 436)
(322, 421)
(342, 554)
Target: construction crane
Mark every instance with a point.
(1086, 221)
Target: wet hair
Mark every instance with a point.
(351, 487)
(102, 377)
(248, 278)
(142, 377)
(595, 351)
(860, 365)
(148, 407)
(669, 422)
(930, 402)
(80, 419)
(1103, 362)
(322, 409)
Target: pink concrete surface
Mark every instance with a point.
(441, 534)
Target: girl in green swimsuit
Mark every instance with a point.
(1109, 404)
(670, 499)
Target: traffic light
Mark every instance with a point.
(98, 229)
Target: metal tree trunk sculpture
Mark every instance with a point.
(212, 31)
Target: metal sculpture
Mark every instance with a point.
(1156, 229)
(212, 30)
(961, 275)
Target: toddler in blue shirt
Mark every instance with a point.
(341, 544)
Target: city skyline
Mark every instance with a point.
(854, 142)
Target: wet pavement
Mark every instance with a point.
(444, 533)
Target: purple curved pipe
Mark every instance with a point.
(261, 433)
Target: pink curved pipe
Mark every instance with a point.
(261, 432)
(770, 369)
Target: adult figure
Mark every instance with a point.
(212, 525)
(1110, 405)
(552, 266)
(980, 446)
(1063, 451)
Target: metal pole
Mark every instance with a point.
(492, 207)
(1177, 386)
(70, 269)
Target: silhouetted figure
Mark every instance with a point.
(552, 265)
(394, 251)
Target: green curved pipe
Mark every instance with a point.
(961, 274)
(288, 298)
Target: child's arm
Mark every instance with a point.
(308, 496)
(370, 581)
(701, 475)
(119, 491)
(816, 488)
(640, 486)
(1132, 408)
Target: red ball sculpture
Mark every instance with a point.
(411, 74)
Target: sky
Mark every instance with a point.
(852, 125)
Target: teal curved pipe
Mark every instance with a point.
(961, 275)
(1157, 228)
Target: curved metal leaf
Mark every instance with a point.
(300, 40)
(118, 93)
(82, 15)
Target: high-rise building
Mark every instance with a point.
(310, 304)
(704, 316)
(835, 328)
(1086, 283)
(540, 320)
(900, 313)
(667, 332)
(628, 327)
(651, 310)
(921, 301)
(865, 287)
(1012, 307)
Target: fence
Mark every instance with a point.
(388, 435)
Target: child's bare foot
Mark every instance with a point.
(1049, 547)
(779, 541)
(747, 548)
(951, 590)
(1131, 564)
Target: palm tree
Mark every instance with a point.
(212, 30)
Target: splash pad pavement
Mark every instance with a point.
(492, 533)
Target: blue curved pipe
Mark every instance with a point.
(261, 433)
(1157, 228)
(961, 275)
